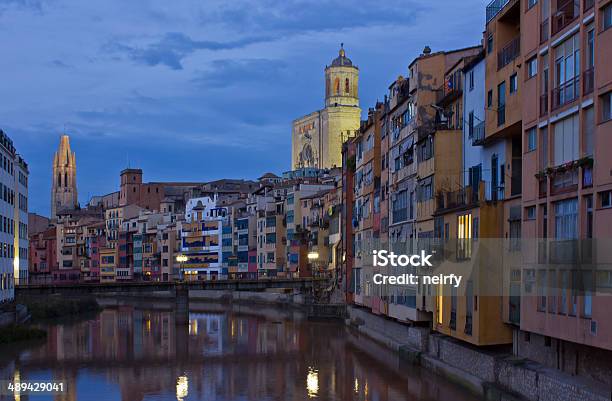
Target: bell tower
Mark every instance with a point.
(64, 186)
(341, 82)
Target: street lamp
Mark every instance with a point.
(181, 259)
(313, 255)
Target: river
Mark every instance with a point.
(134, 352)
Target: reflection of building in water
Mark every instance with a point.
(212, 327)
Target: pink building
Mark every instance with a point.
(567, 185)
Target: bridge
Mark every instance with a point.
(179, 290)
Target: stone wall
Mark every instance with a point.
(495, 375)
(575, 359)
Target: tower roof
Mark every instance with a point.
(342, 60)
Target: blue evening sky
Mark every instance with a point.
(195, 90)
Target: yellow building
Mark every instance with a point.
(317, 137)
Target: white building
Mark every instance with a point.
(13, 219)
(202, 238)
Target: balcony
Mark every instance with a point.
(567, 12)
(478, 134)
(588, 81)
(587, 176)
(501, 115)
(566, 181)
(510, 52)
(566, 93)
(544, 31)
(543, 105)
(454, 199)
(494, 8)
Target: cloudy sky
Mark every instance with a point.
(195, 90)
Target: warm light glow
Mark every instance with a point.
(356, 386)
(193, 327)
(16, 383)
(181, 258)
(313, 255)
(182, 388)
(312, 383)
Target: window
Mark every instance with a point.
(606, 198)
(530, 213)
(532, 67)
(490, 98)
(565, 138)
(607, 16)
(471, 77)
(607, 107)
(566, 219)
(531, 3)
(513, 83)
(490, 43)
(531, 139)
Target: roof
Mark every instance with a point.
(268, 175)
(342, 60)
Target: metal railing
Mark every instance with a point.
(566, 92)
(565, 14)
(494, 8)
(510, 52)
(478, 134)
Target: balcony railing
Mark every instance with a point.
(510, 52)
(544, 31)
(587, 176)
(478, 134)
(494, 8)
(543, 105)
(453, 199)
(566, 92)
(543, 187)
(501, 115)
(588, 4)
(588, 81)
(566, 181)
(567, 12)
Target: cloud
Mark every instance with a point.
(230, 72)
(291, 16)
(173, 47)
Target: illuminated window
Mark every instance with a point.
(464, 236)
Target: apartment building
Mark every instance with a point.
(567, 186)
(201, 238)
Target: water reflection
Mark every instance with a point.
(129, 353)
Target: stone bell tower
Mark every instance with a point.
(64, 186)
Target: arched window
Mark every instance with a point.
(59, 179)
(65, 179)
(337, 85)
(347, 87)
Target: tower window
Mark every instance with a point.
(346, 86)
(337, 85)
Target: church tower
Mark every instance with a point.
(316, 138)
(341, 82)
(63, 186)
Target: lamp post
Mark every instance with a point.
(313, 256)
(181, 259)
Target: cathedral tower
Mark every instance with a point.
(316, 138)
(63, 187)
(341, 82)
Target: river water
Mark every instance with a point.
(135, 352)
